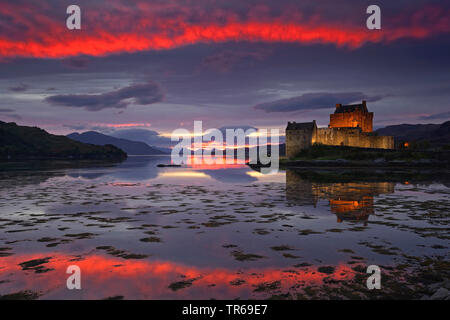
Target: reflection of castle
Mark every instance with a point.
(348, 200)
(350, 125)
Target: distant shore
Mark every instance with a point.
(365, 164)
(55, 163)
(337, 156)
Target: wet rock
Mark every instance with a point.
(304, 264)
(237, 282)
(281, 248)
(150, 239)
(22, 295)
(36, 265)
(326, 270)
(268, 286)
(240, 256)
(181, 284)
(441, 294)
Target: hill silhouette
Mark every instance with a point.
(21, 142)
(435, 134)
(129, 146)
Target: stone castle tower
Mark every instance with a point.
(352, 116)
(350, 125)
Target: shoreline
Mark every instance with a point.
(55, 163)
(363, 164)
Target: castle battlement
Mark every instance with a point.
(350, 125)
(352, 116)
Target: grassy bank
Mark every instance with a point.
(322, 152)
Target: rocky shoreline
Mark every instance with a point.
(441, 291)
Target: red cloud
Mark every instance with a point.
(119, 29)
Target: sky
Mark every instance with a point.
(145, 68)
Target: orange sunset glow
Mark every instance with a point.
(158, 275)
(48, 38)
(222, 152)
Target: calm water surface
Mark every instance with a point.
(198, 232)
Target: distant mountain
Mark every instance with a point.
(436, 134)
(150, 137)
(163, 150)
(130, 147)
(20, 142)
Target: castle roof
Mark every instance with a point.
(351, 108)
(303, 125)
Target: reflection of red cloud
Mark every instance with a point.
(38, 35)
(104, 276)
(214, 163)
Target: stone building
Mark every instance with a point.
(350, 125)
(352, 116)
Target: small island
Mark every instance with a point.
(349, 141)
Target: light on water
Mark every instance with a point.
(218, 231)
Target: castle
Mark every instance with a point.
(350, 125)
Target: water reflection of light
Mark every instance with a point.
(183, 174)
(104, 276)
(275, 176)
(214, 163)
(124, 184)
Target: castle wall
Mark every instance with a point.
(297, 140)
(352, 138)
(352, 119)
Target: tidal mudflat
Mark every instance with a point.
(138, 231)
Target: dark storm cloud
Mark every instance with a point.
(225, 61)
(15, 116)
(196, 90)
(437, 116)
(76, 127)
(142, 94)
(9, 113)
(76, 62)
(19, 88)
(243, 127)
(310, 101)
